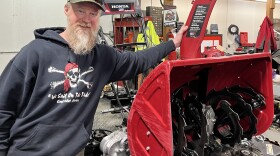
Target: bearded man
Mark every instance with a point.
(49, 92)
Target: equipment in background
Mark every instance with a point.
(244, 40)
(156, 14)
(93, 146)
(152, 39)
(244, 46)
(212, 51)
(210, 40)
(170, 16)
(121, 95)
(123, 99)
(233, 29)
(115, 144)
(214, 29)
(121, 7)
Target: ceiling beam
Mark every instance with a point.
(270, 5)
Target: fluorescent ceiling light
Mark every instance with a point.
(276, 1)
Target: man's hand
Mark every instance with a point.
(178, 38)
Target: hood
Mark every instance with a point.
(51, 34)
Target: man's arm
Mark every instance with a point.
(11, 85)
(129, 64)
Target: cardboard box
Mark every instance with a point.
(168, 2)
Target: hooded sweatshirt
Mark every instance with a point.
(49, 95)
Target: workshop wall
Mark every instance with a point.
(20, 18)
(247, 15)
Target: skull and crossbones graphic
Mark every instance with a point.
(72, 77)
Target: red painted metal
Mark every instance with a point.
(191, 42)
(212, 52)
(244, 40)
(149, 122)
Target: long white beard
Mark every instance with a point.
(81, 41)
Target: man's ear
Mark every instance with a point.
(66, 8)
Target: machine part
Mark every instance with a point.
(189, 152)
(98, 134)
(256, 100)
(115, 144)
(248, 120)
(194, 35)
(189, 132)
(227, 127)
(178, 123)
(210, 118)
(179, 127)
(117, 109)
(259, 138)
(153, 99)
(92, 148)
(194, 126)
(198, 126)
(198, 137)
(212, 52)
(233, 29)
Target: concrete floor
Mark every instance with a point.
(272, 134)
(109, 121)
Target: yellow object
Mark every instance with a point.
(152, 37)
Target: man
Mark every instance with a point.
(50, 91)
